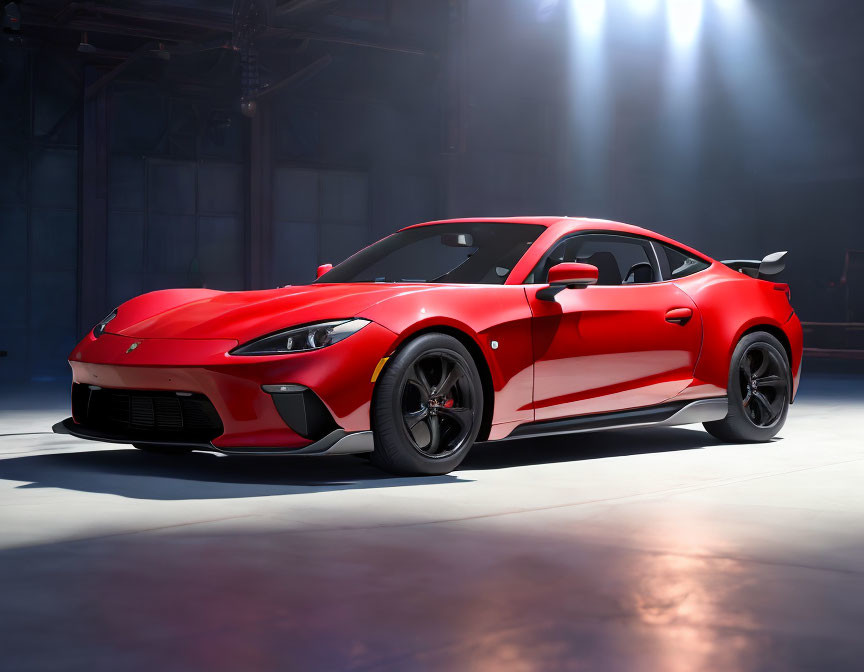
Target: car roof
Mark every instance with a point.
(566, 224)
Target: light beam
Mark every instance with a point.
(590, 17)
(685, 21)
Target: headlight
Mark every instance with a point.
(99, 329)
(302, 339)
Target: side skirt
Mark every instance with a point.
(675, 413)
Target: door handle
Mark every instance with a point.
(679, 315)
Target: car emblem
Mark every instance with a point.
(133, 346)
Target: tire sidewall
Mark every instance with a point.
(393, 448)
(737, 416)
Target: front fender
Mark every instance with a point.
(485, 314)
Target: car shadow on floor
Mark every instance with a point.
(130, 473)
(585, 446)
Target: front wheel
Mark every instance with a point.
(759, 391)
(428, 407)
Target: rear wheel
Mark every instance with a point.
(428, 407)
(162, 449)
(759, 390)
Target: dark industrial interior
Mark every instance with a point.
(238, 144)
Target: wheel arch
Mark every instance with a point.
(777, 333)
(781, 336)
(476, 355)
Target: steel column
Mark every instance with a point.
(260, 210)
(453, 109)
(92, 204)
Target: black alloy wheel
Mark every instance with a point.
(759, 391)
(427, 408)
(437, 415)
(764, 384)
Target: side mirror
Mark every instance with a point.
(322, 269)
(568, 276)
(573, 275)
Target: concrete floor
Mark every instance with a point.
(629, 550)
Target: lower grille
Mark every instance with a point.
(141, 414)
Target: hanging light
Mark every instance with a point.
(84, 47)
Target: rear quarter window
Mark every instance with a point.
(676, 263)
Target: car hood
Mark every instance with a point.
(209, 314)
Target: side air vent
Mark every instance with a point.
(302, 410)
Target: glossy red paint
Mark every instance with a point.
(732, 304)
(482, 314)
(563, 274)
(591, 349)
(605, 348)
(234, 383)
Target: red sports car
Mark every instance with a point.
(444, 334)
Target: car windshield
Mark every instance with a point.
(466, 252)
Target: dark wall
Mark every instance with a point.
(745, 140)
(176, 192)
(355, 154)
(38, 213)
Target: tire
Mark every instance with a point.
(162, 449)
(418, 429)
(759, 389)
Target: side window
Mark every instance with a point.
(676, 263)
(620, 260)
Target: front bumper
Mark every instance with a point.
(337, 442)
(339, 375)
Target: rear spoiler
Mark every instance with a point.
(772, 264)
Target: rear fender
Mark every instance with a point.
(732, 304)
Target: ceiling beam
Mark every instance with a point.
(301, 33)
(98, 85)
(196, 19)
(298, 76)
(117, 70)
(174, 27)
(292, 6)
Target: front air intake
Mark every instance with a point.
(144, 414)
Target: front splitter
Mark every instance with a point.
(337, 442)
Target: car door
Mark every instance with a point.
(630, 341)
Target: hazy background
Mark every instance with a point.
(732, 125)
